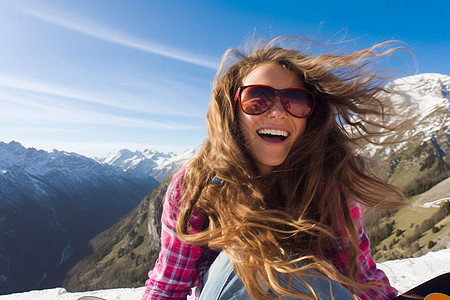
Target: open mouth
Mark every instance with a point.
(273, 135)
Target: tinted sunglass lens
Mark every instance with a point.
(298, 102)
(256, 100)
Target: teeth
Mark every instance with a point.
(273, 132)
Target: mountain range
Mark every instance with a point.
(147, 163)
(53, 203)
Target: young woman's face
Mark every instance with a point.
(265, 134)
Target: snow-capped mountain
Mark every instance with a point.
(420, 159)
(51, 204)
(148, 162)
(427, 98)
(420, 100)
(39, 174)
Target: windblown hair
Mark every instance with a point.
(286, 222)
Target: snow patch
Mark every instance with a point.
(66, 253)
(405, 274)
(435, 203)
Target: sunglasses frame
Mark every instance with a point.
(278, 93)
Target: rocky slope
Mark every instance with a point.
(125, 253)
(422, 159)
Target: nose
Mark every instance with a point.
(277, 110)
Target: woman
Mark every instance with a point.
(277, 187)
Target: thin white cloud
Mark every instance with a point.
(129, 104)
(16, 109)
(85, 26)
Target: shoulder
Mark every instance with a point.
(175, 188)
(356, 209)
(173, 201)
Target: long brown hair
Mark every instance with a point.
(268, 224)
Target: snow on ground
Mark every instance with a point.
(62, 294)
(403, 274)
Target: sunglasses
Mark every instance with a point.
(256, 99)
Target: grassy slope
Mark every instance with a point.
(413, 228)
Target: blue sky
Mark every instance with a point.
(94, 76)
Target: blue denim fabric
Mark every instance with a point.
(223, 284)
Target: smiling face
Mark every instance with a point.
(269, 137)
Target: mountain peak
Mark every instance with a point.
(426, 84)
(423, 98)
(148, 162)
(12, 146)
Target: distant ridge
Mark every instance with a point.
(148, 162)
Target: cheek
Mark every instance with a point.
(246, 126)
(300, 126)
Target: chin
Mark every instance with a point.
(276, 162)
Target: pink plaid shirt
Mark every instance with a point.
(180, 266)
